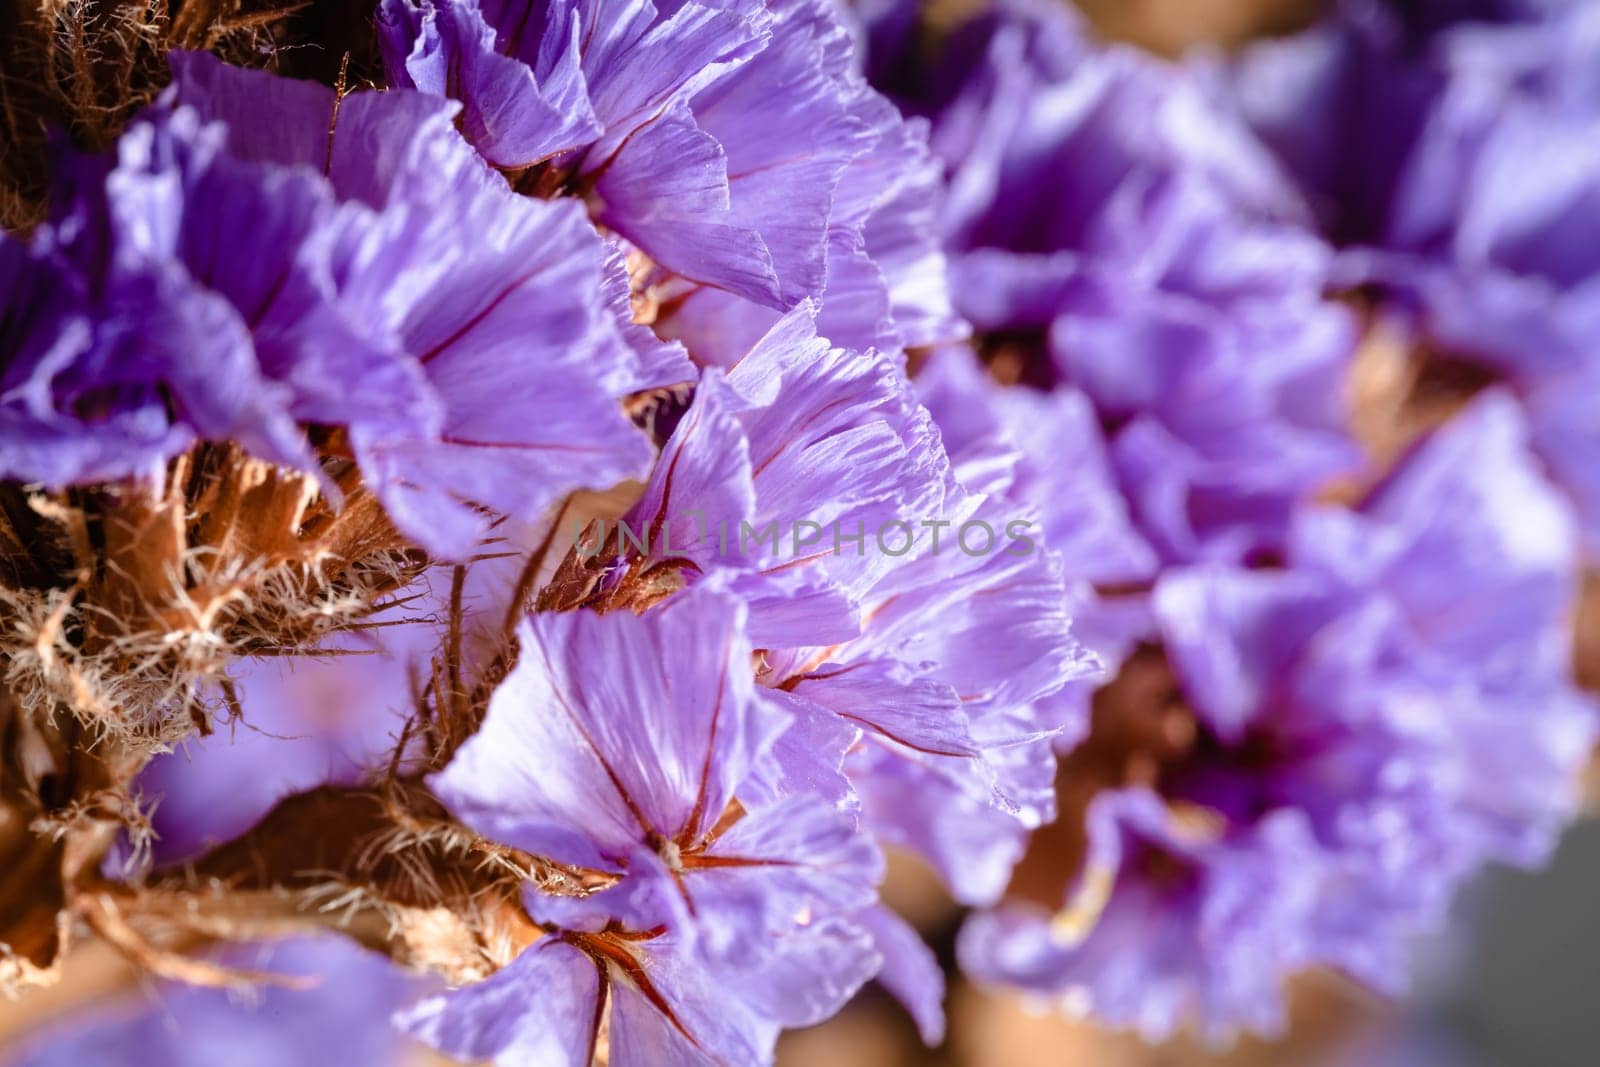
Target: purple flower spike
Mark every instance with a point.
(626, 475)
(1318, 795)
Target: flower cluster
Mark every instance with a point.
(1285, 770)
(562, 514)
(1452, 159)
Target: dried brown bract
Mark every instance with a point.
(80, 69)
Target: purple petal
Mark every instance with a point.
(666, 190)
(648, 718)
(543, 1007)
(910, 971)
(447, 49)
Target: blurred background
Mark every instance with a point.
(1511, 985)
(1172, 26)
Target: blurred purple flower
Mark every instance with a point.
(332, 715)
(342, 1017)
(1011, 442)
(1463, 177)
(1347, 713)
(1112, 230)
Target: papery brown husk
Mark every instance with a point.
(120, 610)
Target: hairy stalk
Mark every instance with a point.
(385, 865)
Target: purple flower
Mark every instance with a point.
(1312, 790)
(342, 1017)
(1474, 549)
(1462, 176)
(1285, 772)
(953, 759)
(1550, 51)
(1112, 258)
(619, 746)
(330, 716)
(901, 619)
(350, 267)
(102, 324)
(665, 1004)
(1010, 441)
(798, 439)
(734, 145)
(60, 426)
(1112, 230)
(1187, 932)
